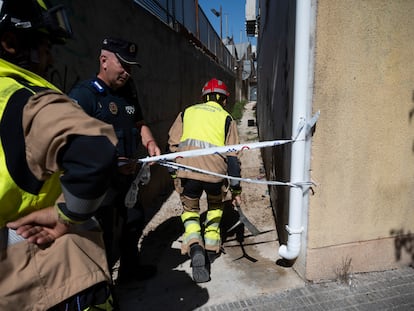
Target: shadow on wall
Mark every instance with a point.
(403, 242)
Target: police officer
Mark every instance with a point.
(111, 97)
(204, 125)
(48, 259)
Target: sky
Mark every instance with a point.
(234, 12)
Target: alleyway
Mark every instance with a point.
(247, 266)
(246, 277)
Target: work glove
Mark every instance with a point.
(177, 181)
(236, 195)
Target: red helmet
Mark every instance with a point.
(215, 86)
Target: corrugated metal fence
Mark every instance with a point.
(190, 16)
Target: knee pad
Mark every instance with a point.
(190, 204)
(215, 201)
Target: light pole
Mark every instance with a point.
(227, 24)
(219, 14)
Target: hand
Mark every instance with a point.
(40, 227)
(177, 185)
(153, 149)
(236, 200)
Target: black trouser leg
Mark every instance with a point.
(131, 232)
(130, 268)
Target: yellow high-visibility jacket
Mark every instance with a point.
(20, 192)
(203, 126)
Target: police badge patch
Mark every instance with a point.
(132, 48)
(130, 109)
(113, 108)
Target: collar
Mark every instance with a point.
(213, 103)
(10, 70)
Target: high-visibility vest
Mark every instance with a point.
(205, 123)
(20, 191)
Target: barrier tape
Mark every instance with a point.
(214, 150)
(256, 181)
(165, 160)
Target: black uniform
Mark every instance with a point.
(121, 109)
(114, 107)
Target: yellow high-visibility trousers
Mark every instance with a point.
(212, 238)
(192, 233)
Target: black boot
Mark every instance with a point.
(198, 264)
(212, 256)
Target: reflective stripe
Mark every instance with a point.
(14, 238)
(192, 236)
(195, 143)
(212, 243)
(77, 208)
(9, 237)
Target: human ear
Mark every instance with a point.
(9, 42)
(103, 60)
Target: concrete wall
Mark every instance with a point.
(174, 68)
(362, 153)
(362, 156)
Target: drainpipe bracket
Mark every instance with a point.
(301, 125)
(312, 122)
(294, 231)
(307, 125)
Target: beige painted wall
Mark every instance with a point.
(362, 152)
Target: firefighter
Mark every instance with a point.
(204, 125)
(54, 170)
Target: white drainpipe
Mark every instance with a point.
(299, 115)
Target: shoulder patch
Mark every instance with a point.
(97, 86)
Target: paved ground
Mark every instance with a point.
(245, 280)
(389, 290)
(246, 276)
